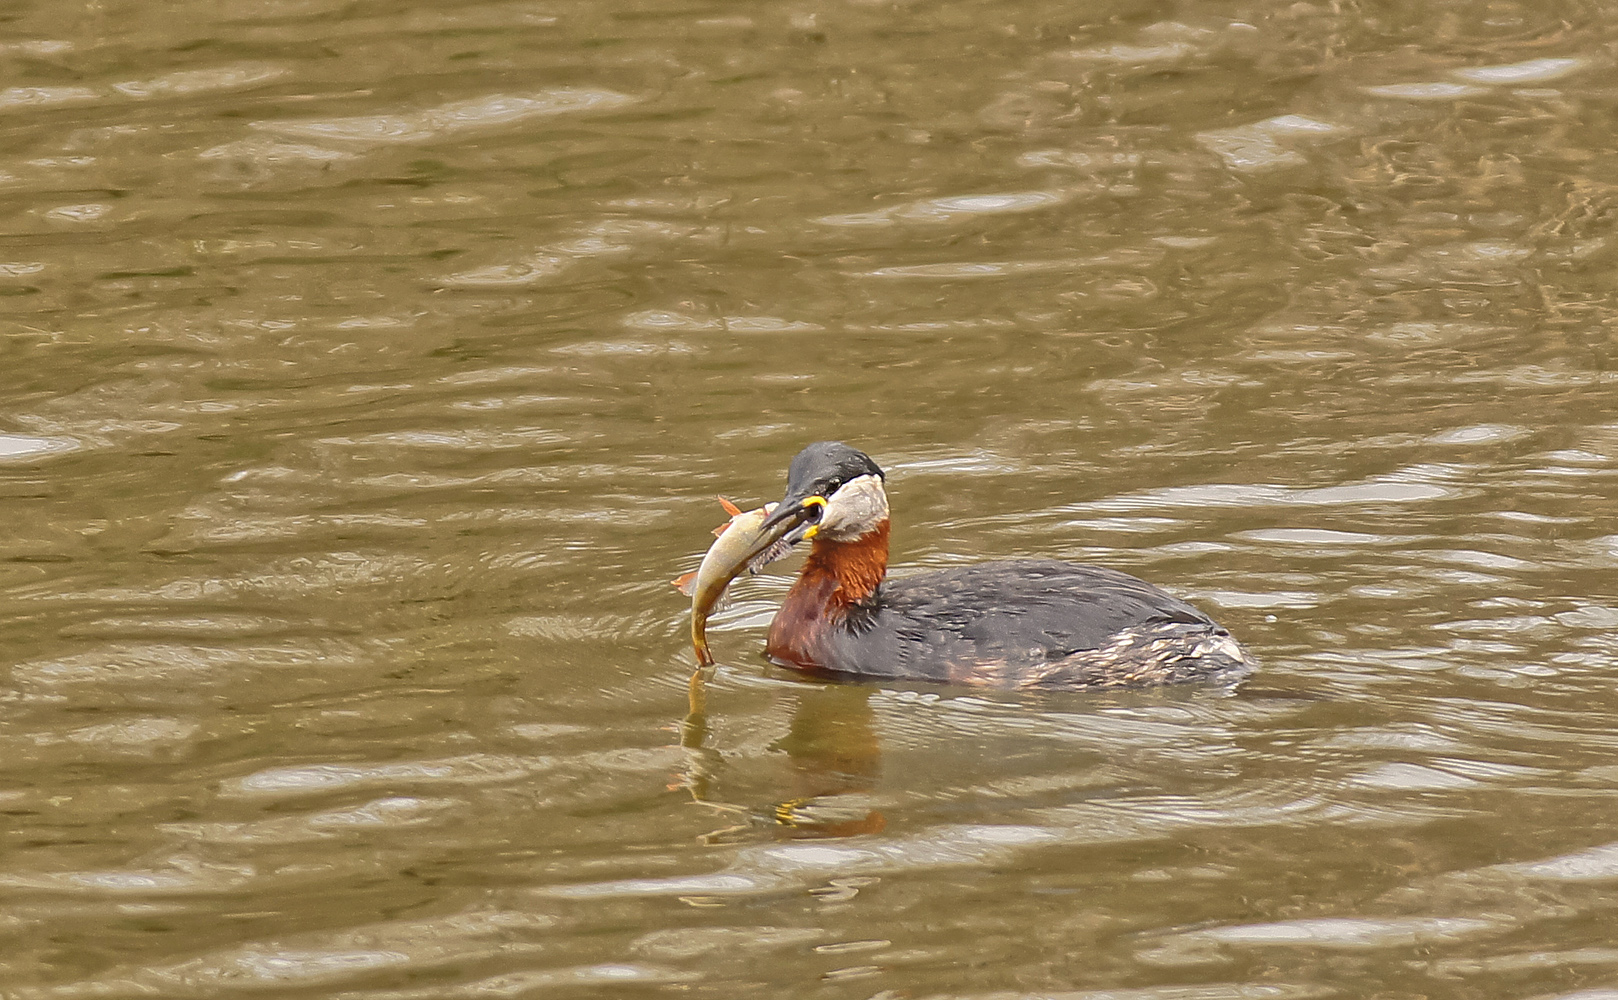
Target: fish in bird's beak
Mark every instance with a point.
(749, 542)
(755, 538)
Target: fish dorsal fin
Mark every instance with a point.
(730, 509)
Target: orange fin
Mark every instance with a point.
(685, 582)
(730, 508)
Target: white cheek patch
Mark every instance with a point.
(854, 510)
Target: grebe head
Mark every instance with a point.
(834, 495)
(834, 492)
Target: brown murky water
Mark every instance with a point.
(369, 369)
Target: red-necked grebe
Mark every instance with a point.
(1021, 624)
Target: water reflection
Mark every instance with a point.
(835, 760)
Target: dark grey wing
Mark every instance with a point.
(1015, 607)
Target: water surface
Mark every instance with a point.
(369, 369)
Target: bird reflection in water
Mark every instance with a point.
(834, 758)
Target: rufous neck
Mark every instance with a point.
(856, 566)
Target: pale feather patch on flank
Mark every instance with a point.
(1142, 655)
(1163, 653)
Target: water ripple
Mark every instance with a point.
(445, 120)
(22, 446)
(1265, 145)
(954, 208)
(1531, 71)
(1339, 933)
(320, 779)
(348, 957)
(395, 812)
